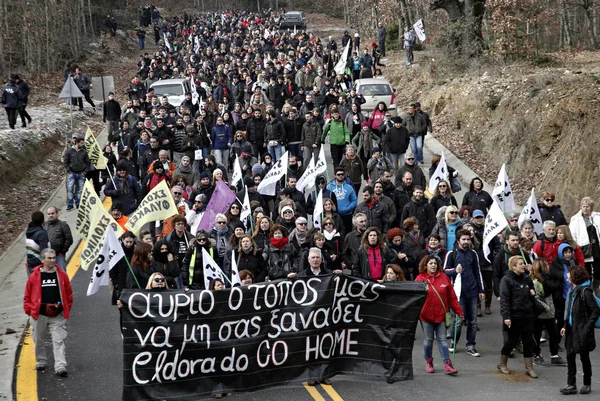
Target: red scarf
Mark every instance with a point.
(279, 242)
(375, 262)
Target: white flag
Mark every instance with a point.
(307, 176)
(167, 43)
(196, 44)
(440, 174)
(212, 270)
(420, 30)
(110, 253)
(532, 212)
(279, 169)
(321, 164)
(502, 193)
(318, 212)
(494, 224)
(340, 67)
(267, 34)
(237, 172)
(246, 211)
(266, 61)
(235, 274)
(458, 285)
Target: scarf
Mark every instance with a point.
(184, 169)
(366, 148)
(279, 243)
(329, 235)
(375, 261)
(301, 236)
(574, 292)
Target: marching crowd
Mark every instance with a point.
(261, 91)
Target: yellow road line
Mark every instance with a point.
(332, 393)
(26, 383)
(313, 392)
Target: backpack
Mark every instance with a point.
(597, 324)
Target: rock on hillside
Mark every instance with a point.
(542, 122)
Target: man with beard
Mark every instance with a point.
(255, 131)
(421, 209)
(385, 178)
(547, 244)
(386, 201)
(376, 212)
(204, 187)
(413, 168)
(353, 239)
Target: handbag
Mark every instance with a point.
(448, 319)
(273, 143)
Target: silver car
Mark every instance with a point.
(376, 90)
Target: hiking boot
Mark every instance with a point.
(556, 360)
(473, 352)
(569, 389)
(585, 390)
(429, 365)
(502, 366)
(449, 369)
(529, 368)
(539, 361)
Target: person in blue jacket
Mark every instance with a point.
(345, 195)
(221, 138)
(464, 260)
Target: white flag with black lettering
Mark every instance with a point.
(235, 274)
(532, 213)
(308, 176)
(212, 271)
(318, 212)
(494, 224)
(167, 43)
(246, 211)
(502, 193)
(420, 30)
(269, 183)
(237, 172)
(340, 67)
(110, 253)
(440, 174)
(321, 164)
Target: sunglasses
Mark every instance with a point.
(221, 222)
(328, 223)
(514, 220)
(442, 186)
(235, 207)
(410, 158)
(340, 174)
(159, 280)
(201, 239)
(549, 200)
(177, 193)
(197, 201)
(301, 224)
(453, 212)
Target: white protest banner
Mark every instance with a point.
(308, 176)
(494, 224)
(110, 253)
(237, 172)
(502, 193)
(458, 285)
(532, 213)
(158, 204)
(268, 184)
(246, 211)
(89, 205)
(440, 174)
(94, 150)
(236, 281)
(420, 30)
(318, 212)
(321, 164)
(100, 225)
(212, 271)
(340, 67)
(167, 43)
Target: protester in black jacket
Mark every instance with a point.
(10, 101)
(192, 270)
(112, 114)
(23, 93)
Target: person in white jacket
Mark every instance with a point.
(585, 227)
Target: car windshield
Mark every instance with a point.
(168, 90)
(375, 90)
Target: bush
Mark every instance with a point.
(493, 101)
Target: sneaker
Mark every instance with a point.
(451, 346)
(538, 360)
(585, 390)
(556, 360)
(429, 365)
(449, 369)
(69, 208)
(473, 352)
(569, 389)
(543, 340)
(326, 382)
(40, 368)
(62, 372)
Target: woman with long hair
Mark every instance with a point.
(157, 282)
(334, 244)
(442, 196)
(262, 232)
(141, 266)
(440, 299)
(448, 228)
(373, 256)
(247, 258)
(330, 210)
(413, 239)
(393, 273)
(563, 234)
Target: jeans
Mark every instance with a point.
(141, 43)
(295, 149)
(416, 144)
(437, 331)
(56, 327)
(468, 303)
(75, 183)
(61, 262)
(222, 157)
(397, 160)
(309, 153)
(572, 368)
(409, 54)
(275, 151)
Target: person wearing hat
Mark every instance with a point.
(192, 269)
(377, 164)
(125, 189)
(396, 140)
(117, 214)
(11, 100)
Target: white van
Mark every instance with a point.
(175, 90)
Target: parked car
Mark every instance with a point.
(291, 20)
(376, 90)
(175, 90)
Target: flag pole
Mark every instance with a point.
(132, 273)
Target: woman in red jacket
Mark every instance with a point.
(440, 298)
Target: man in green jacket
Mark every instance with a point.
(339, 138)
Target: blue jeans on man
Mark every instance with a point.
(275, 151)
(416, 144)
(468, 303)
(75, 183)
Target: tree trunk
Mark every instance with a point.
(590, 26)
(566, 26)
(454, 8)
